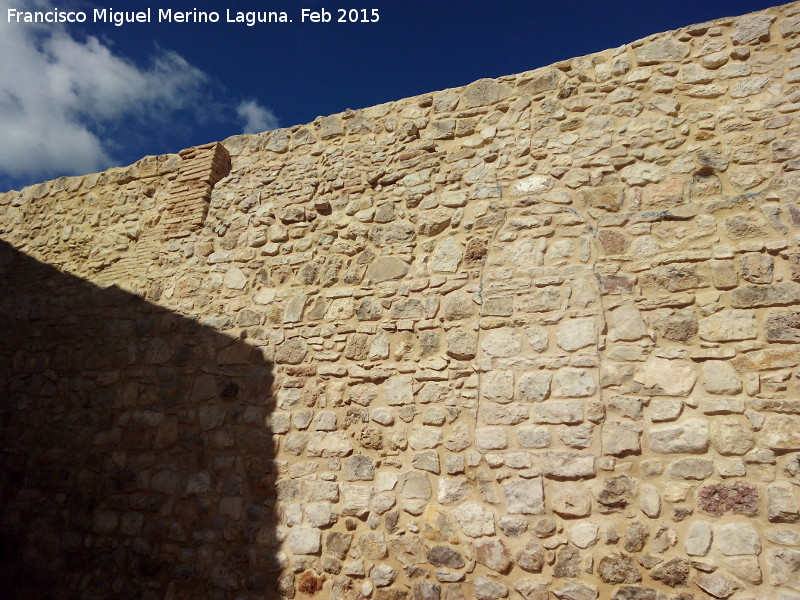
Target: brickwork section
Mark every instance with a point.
(190, 192)
(533, 338)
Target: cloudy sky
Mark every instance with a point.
(78, 98)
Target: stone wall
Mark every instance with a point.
(532, 338)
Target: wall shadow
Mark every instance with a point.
(134, 457)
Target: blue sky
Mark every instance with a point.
(77, 98)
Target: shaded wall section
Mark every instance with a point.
(135, 462)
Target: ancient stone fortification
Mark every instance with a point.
(535, 337)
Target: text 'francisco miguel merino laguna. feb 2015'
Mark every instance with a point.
(168, 15)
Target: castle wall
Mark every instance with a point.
(535, 337)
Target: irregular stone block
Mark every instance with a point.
(650, 501)
(422, 438)
(573, 383)
(338, 544)
(475, 520)
(732, 436)
(781, 432)
(498, 386)
(447, 256)
(491, 438)
(415, 485)
(757, 267)
(665, 49)
(524, 496)
(355, 500)
(618, 568)
(664, 377)
(735, 539)
(493, 554)
(691, 436)
(387, 268)
(572, 590)
(445, 556)
(569, 465)
(723, 274)
(621, 438)
(691, 468)
(783, 327)
(461, 345)
(534, 387)
(784, 293)
(453, 489)
(698, 541)
(716, 584)
(573, 334)
(783, 566)
(303, 540)
(751, 28)
(627, 324)
(398, 390)
(531, 558)
(330, 444)
(615, 493)
(533, 437)
(719, 377)
(501, 343)
(373, 545)
(571, 500)
(558, 411)
(729, 325)
(782, 504)
(487, 589)
(359, 468)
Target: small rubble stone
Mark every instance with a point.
(531, 558)
(636, 535)
(673, 573)
(487, 589)
(445, 556)
(716, 584)
(698, 540)
(615, 493)
(572, 590)
(618, 568)
(567, 562)
(494, 554)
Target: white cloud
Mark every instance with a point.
(57, 93)
(257, 118)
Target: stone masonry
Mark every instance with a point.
(533, 338)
